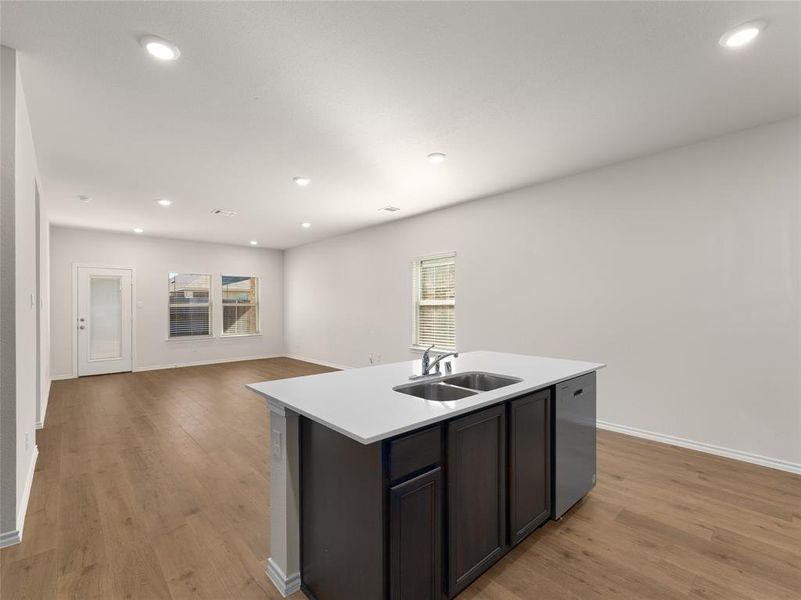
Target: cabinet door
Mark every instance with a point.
(529, 464)
(415, 534)
(476, 471)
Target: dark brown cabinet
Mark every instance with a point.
(476, 465)
(529, 464)
(421, 515)
(342, 525)
(415, 509)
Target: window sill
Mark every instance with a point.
(434, 350)
(238, 335)
(191, 338)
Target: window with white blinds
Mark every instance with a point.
(240, 305)
(435, 302)
(190, 305)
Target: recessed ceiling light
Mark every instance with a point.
(742, 35)
(163, 202)
(254, 243)
(84, 199)
(389, 208)
(159, 48)
(302, 181)
(436, 157)
(305, 225)
(138, 230)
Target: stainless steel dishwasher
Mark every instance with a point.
(574, 442)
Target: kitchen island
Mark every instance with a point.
(378, 492)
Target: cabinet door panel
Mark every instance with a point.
(476, 495)
(342, 527)
(415, 534)
(529, 464)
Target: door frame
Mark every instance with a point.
(75, 267)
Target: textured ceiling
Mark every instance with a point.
(355, 95)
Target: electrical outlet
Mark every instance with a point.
(27, 441)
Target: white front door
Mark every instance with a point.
(104, 320)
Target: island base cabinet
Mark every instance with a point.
(529, 464)
(476, 467)
(415, 509)
(422, 515)
(342, 525)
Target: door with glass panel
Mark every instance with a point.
(104, 320)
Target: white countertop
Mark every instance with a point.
(361, 404)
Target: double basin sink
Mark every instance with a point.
(456, 387)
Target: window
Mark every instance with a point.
(435, 301)
(190, 305)
(240, 302)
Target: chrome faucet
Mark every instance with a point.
(428, 364)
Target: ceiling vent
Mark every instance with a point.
(389, 208)
(223, 213)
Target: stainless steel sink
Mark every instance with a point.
(456, 387)
(483, 382)
(435, 390)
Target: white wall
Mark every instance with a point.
(44, 313)
(25, 245)
(680, 270)
(19, 385)
(8, 351)
(153, 259)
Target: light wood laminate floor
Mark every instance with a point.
(155, 485)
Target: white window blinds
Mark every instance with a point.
(240, 305)
(190, 304)
(435, 302)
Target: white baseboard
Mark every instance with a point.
(9, 538)
(26, 493)
(46, 400)
(285, 585)
(200, 363)
(61, 377)
(756, 459)
(319, 362)
(197, 363)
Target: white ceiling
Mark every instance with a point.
(356, 95)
